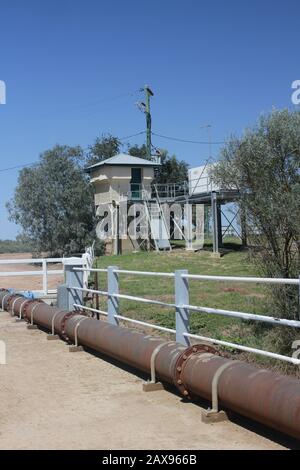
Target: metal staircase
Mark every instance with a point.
(157, 223)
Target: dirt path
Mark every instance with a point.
(53, 399)
(26, 282)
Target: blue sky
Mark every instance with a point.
(73, 68)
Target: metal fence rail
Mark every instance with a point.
(44, 272)
(183, 307)
(256, 280)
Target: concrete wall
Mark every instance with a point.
(112, 183)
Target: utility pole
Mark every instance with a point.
(208, 127)
(209, 142)
(148, 94)
(206, 207)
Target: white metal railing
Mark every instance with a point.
(44, 272)
(183, 307)
(88, 261)
(171, 191)
(127, 297)
(258, 280)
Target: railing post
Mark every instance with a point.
(66, 297)
(97, 295)
(45, 281)
(112, 288)
(214, 222)
(182, 314)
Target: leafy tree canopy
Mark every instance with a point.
(264, 165)
(53, 202)
(138, 150)
(104, 147)
(171, 170)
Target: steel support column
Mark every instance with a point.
(182, 314)
(216, 223)
(112, 288)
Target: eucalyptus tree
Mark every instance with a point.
(53, 202)
(264, 164)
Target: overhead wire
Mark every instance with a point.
(84, 149)
(177, 139)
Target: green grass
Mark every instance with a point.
(236, 296)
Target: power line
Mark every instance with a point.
(83, 106)
(133, 135)
(18, 166)
(122, 139)
(186, 140)
(84, 149)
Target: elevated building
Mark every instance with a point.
(126, 180)
(122, 176)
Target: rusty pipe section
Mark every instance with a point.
(34, 311)
(125, 345)
(4, 296)
(259, 394)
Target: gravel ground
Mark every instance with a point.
(26, 282)
(53, 399)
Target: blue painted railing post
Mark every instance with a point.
(66, 297)
(182, 314)
(112, 288)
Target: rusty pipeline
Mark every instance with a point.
(259, 394)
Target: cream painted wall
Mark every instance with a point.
(113, 182)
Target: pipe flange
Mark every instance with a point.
(7, 301)
(29, 302)
(22, 309)
(182, 360)
(13, 298)
(64, 321)
(11, 302)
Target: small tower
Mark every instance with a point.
(118, 179)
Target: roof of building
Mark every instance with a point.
(123, 159)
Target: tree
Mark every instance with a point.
(104, 147)
(265, 166)
(53, 202)
(138, 151)
(171, 170)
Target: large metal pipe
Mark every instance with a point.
(44, 315)
(126, 345)
(4, 296)
(34, 311)
(262, 395)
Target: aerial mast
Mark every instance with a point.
(148, 94)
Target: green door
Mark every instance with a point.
(136, 183)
